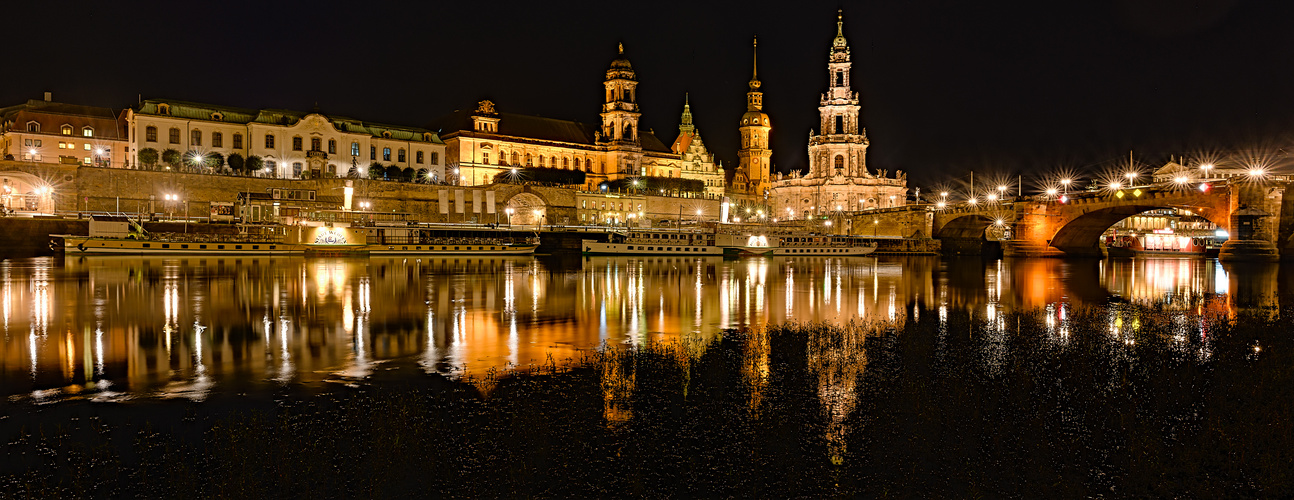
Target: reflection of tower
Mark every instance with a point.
(620, 119)
(753, 164)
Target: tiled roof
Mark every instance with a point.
(200, 111)
(540, 128)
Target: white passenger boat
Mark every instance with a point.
(739, 244)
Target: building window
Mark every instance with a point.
(87, 146)
(840, 124)
(66, 130)
(33, 127)
(529, 161)
(418, 157)
(238, 141)
(840, 163)
(62, 145)
(514, 157)
(174, 135)
(400, 156)
(269, 141)
(87, 131)
(197, 137)
(316, 144)
(272, 166)
(435, 159)
(386, 154)
(354, 149)
(485, 158)
(296, 169)
(541, 161)
(296, 143)
(217, 140)
(840, 78)
(566, 163)
(332, 146)
(372, 152)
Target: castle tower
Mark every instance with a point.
(753, 164)
(685, 126)
(840, 147)
(620, 119)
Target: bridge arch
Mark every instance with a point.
(1081, 234)
(972, 224)
(526, 208)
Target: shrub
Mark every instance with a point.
(253, 164)
(553, 176)
(654, 185)
(148, 157)
(171, 157)
(236, 163)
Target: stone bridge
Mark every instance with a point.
(1253, 212)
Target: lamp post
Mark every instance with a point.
(1064, 186)
(1206, 168)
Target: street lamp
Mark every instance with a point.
(1001, 190)
(1206, 168)
(1115, 186)
(1132, 176)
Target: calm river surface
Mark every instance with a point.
(128, 328)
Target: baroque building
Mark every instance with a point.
(838, 178)
(292, 144)
(484, 143)
(750, 183)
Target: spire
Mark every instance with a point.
(754, 73)
(622, 47)
(839, 44)
(686, 126)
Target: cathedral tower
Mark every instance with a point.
(620, 119)
(840, 148)
(753, 164)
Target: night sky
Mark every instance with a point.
(947, 87)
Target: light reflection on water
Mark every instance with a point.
(185, 327)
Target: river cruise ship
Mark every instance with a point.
(117, 235)
(701, 242)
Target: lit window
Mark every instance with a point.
(354, 149)
(529, 161)
(87, 131)
(296, 169)
(332, 146)
(386, 154)
(66, 130)
(62, 145)
(87, 146)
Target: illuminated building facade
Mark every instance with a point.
(292, 144)
(750, 182)
(45, 131)
(486, 142)
(838, 178)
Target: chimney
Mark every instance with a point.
(49, 96)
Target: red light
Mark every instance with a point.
(1204, 187)
(1064, 198)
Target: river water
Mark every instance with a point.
(128, 328)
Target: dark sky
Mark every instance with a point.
(947, 86)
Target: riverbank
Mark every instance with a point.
(1101, 401)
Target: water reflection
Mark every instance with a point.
(184, 327)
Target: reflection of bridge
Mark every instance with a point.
(1251, 211)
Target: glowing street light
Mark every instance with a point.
(1051, 192)
(991, 197)
(1115, 186)
(1206, 168)
(1180, 180)
(1132, 176)
(973, 201)
(1257, 173)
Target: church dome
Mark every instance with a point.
(758, 118)
(620, 67)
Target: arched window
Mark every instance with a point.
(418, 156)
(87, 131)
(195, 138)
(840, 78)
(840, 124)
(435, 159)
(840, 163)
(566, 163)
(174, 135)
(217, 140)
(316, 144)
(514, 157)
(332, 146)
(529, 160)
(238, 141)
(400, 155)
(629, 132)
(541, 161)
(269, 141)
(163, 109)
(150, 134)
(296, 143)
(66, 130)
(386, 154)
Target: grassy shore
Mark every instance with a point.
(1114, 401)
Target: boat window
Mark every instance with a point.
(146, 245)
(166, 245)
